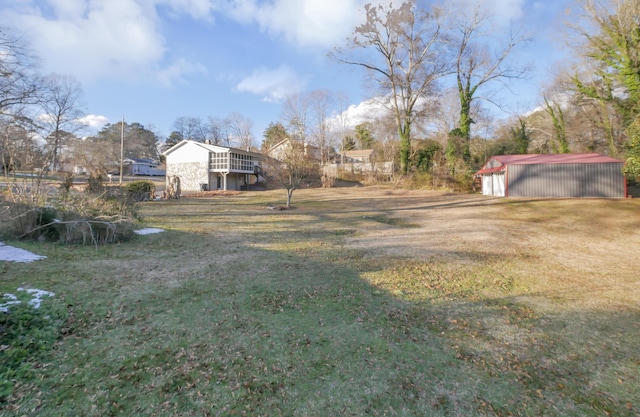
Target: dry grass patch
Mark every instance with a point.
(481, 307)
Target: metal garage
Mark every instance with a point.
(553, 175)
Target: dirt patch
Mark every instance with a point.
(565, 248)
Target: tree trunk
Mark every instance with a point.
(289, 194)
(405, 146)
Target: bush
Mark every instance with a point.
(24, 220)
(141, 190)
(95, 184)
(463, 182)
(85, 218)
(419, 180)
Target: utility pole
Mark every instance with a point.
(121, 148)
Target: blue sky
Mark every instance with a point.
(152, 61)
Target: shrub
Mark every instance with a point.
(463, 182)
(141, 190)
(95, 184)
(85, 218)
(419, 180)
(24, 220)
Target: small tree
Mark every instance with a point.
(520, 136)
(561, 143)
(364, 136)
(273, 134)
(291, 170)
(348, 143)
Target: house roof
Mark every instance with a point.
(141, 160)
(543, 159)
(289, 140)
(564, 158)
(210, 148)
(358, 153)
(491, 170)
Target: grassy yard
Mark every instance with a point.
(360, 301)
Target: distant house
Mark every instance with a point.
(201, 166)
(359, 155)
(278, 150)
(553, 175)
(142, 166)
(364, 160)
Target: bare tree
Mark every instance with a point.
(240, 130)
(295, 115)
(342, 100)
(291, 169)
(190, 128)
(477, 66)
(19, 148)
(60, 106)
(320, 102)
(217, 131)
(409, 57)
(18, 81)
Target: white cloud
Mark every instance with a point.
(302, 22)
(176, 72)
(366, 111)
(92, 39)
(93, 121)
(273, 84)
(98, 39)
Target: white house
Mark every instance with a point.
(279, 150)
(142, 166)
(201, 166)
(364, 160)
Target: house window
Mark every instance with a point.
(241, 162)
(218, 161)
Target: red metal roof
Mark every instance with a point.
(490, 170)
(535, 159)
(564, 158)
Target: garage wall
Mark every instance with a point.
(566, 180)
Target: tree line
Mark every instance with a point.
(42, 128)
(434, 73)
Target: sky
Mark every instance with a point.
(153, 61)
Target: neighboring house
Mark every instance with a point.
(201, 166)
(142, 166)
(358, 155)
(553, 175)
(79, 170)
(278, 150)
(364, 160)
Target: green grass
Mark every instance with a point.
(239, 310)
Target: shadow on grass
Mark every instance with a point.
(196, 325)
